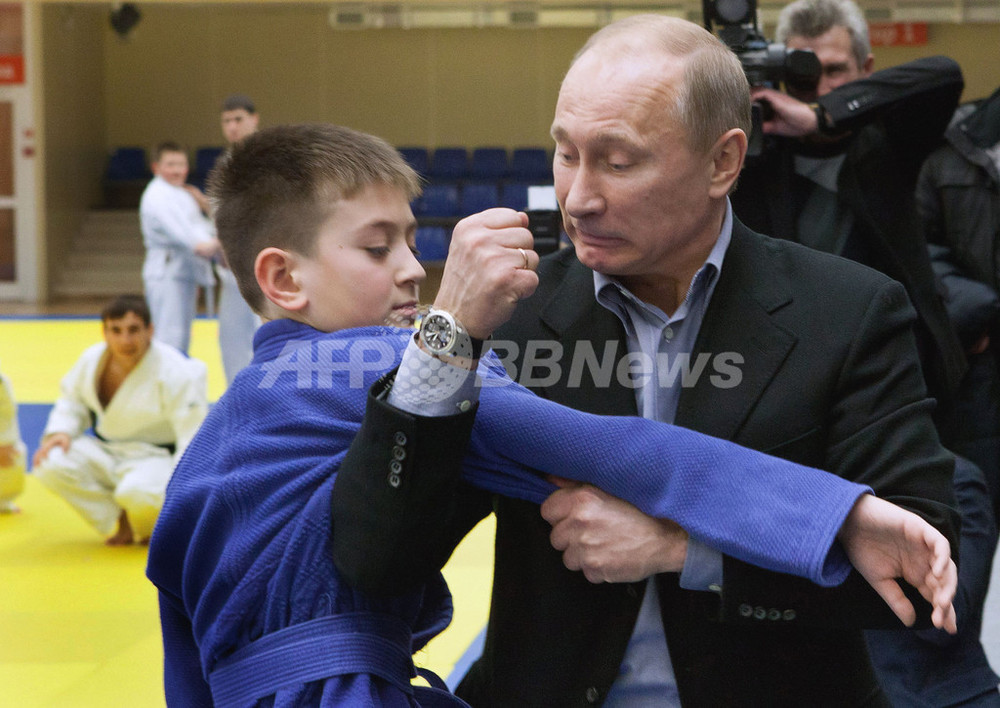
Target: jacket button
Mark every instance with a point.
(745, 610)
(398, 453)
(774, 614)
(592, 695)
(400, 438)
(759, 613)
(789, 615)
(394, 480)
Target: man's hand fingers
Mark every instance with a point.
(893, 595)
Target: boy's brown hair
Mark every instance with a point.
(276, 188)
(167, 146)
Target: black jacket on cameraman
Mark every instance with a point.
(894, 118)
(958, 200)
(958, 192)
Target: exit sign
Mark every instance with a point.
(897, 34)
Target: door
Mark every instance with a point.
(18, 271)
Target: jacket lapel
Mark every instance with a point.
(739, 321)
(577, 320)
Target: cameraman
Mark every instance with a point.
(840, 163)
(838, 173)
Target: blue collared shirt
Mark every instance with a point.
(660, 347)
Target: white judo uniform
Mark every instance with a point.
(237, 325)
(172, 224)
(12, 475)
(140, 435)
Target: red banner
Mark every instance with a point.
(11, 69)
(897, 34)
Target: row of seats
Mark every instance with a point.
(458, 199)
(127, 163)
(460, 182)
(455, 164)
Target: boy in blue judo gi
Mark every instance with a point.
(316, 225)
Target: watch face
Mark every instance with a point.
(437, 332)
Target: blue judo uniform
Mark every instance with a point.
(252, 608)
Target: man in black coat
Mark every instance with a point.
(840, 163)
(669, 308)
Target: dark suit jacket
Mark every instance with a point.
(896, 117)
(830, 378)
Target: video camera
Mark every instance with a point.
(764, 63)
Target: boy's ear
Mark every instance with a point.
(277, 278)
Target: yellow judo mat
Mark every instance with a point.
(78, 621)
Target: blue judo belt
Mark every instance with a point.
(358, 643)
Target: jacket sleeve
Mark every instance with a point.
(399, 507)
(70, 413)
(187, 404)
(166, 225)
(915, 99)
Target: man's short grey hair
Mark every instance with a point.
(812, 18)
(715, 97)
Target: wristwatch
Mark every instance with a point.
(824, 124)
(443, 335)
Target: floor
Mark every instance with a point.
(79, 620)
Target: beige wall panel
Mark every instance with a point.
(74, 120)
(976, 48)
(421, 86)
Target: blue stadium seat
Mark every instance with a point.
(204, 160)
(489, 163)
(125, 177)
(432, 243)
(418, 158)
(206, 157)
(439, 199)
(128, 163)
(514, 195)
(532, 165)
(449, 163)
(479, 196)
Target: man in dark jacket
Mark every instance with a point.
(958, 199)
(839, 166)
(668, 307)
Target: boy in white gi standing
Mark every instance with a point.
(145, 401)
(180, 242)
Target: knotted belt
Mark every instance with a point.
(355, 643)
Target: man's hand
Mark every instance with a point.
(609, 539)
(50, 441)
(885, 542)
(791, 116)
(208, 249)
(486, 274)
(199, 196)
